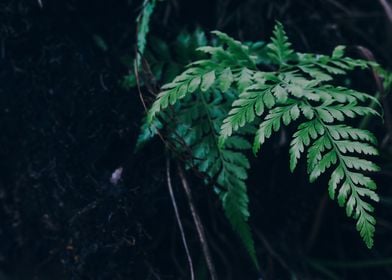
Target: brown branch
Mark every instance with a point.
(199, 226)
(173, 199)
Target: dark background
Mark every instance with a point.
(67, 123)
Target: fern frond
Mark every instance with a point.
(188, 82)
(225, 95)
(147, 132)
(244, 78)
(226, 79)
(285, 114)
(336, 64)
(238, 50)
(280, 50)
(307, 132)
(225, 166)
(328, 143)
(203, 74)
(250, 103)
(235, 202)
(344, 95)
(143, 21)
(354, 186)
(331, 149)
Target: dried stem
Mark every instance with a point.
(199, 225)
(387, 8)
(173, 199)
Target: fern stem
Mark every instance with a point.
(199, 226)
(213, 132)
(173, 199)
(210, 122)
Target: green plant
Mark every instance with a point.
(192, 127)
(143, 26)
(225, 98)
(167, 60)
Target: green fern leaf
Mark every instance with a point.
(235, 203)
(302, 139)
(143, 21)
(148, 132)
(329, 150)
(280, 48)
(272, 122)
(250, 103)
(226, 166)
(244, 79)
(226, 79)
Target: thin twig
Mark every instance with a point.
(136, 71)
(272, 251)
(339, 6)
(367, 54)
(173, 199)
(199, 225)
(387, 8)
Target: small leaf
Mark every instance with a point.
(280, 94)
(194, 84)
(269, 99)
(207, 80)
(225, 80)
(338, 52)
